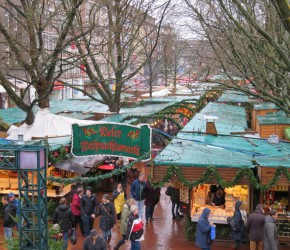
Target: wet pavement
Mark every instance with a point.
(163, 233)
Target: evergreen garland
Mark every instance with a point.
(210, 172)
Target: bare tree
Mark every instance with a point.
(112, 53)
(33, 35)
(251, 40)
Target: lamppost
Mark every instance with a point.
(31, 163)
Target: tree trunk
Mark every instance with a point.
(43, 94)
(29, 117)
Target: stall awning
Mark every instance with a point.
(58, 86)
(80, 165)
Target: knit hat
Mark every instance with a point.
(259, 207)
(272, 212)
(94, 232)
(89, 188)
(106, 196)
(11, 194)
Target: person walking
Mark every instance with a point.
(238, 231)
(138, 189)
(63, 216)
(9, 210)
(108, 217)
(271, 232)
(152, 197)
(255, 226)
(119, 196)
(132, 174)
(16, 203)
(88, 207)
(203, 230)
(124, 221)
(76, 209)
(94, 241)
(135, 228)
(173, 192)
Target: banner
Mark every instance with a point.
(115, 139)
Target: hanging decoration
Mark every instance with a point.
(211, 172)
(57, 156)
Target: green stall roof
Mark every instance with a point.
(265, 105)
(228, 118)
(12, 115)
(146, 109)
(274, 118)
(233, 96)
(274, 161)
(193, 154)
(221, 151)
(172, 99)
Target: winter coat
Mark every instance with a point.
(64, 217)
(255, 225)
(132, 175)
(239, 223)
(135, 228)
(76, 205)
(203, 230)
(100, 244)
(173, 193)
(270, 234)
(138, 189)
(152, 195)
(119, 199)
(108, 216)
(9, 210)
(124, 219)
(89, 204)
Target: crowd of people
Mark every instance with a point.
(121, 210)
(261, 229)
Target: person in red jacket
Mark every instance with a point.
(76, 209)
(135, 229)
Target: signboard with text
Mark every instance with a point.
(115, 139)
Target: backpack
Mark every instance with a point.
(231, 223)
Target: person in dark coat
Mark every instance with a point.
(63, 216)
(255, 226)
(238, 231)
(152, 197)
(76, 209)
(89, 206)
(138, 190)
(135, 229)
(203, 230)
(271, 232)
(108, 217)
(132, 174)
(94, 241)
(8, 222)
(175, 200)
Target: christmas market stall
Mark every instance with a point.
(260, 109)
(278, 196)
(272, 124)
(209, 174)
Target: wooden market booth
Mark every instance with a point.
(193, 155)
(274, 123)
(277, 197)
(261, 109)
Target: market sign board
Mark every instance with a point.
(115, 139)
